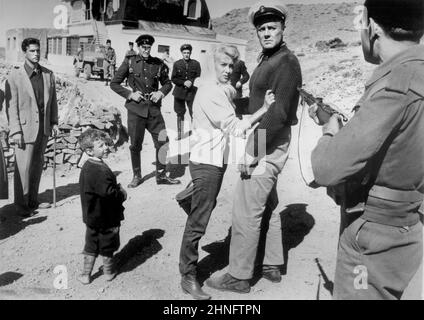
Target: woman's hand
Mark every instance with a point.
(269, 99)
(241, 128)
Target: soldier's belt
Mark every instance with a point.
(396, 195)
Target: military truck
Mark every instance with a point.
(92, 63)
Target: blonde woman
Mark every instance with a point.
(214, 119)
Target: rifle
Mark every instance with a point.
(309, 99)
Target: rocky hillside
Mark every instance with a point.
(307, 24)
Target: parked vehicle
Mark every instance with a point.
(91, 62)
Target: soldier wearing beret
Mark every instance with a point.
(255, 196)
(184, 73)
(378, 157)
(143, 102)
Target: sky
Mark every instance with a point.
(39, 13)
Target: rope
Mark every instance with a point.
(302, 104)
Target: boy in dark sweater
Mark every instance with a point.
(101, 200)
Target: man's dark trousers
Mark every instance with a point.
(155, 124)
(180, 107)
(207, 180)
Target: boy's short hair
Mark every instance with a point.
(29, 41)
(87, 138)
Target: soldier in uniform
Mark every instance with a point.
(380, 153)
(131, 52)
(144, 74)
(255, 196)
(110, 58)
(184, 73)
(239, 77)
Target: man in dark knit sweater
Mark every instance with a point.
(255, 195)
(102, 210)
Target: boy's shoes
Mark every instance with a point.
(190, 285)
(137, 180)
(109, 268)
(228, 283)
(85, 277)
(162, 179)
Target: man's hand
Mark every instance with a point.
(333, 125)
(136, 96)
(239, 85)
(244, 167)
(188, 84)
(157, 96)
(18, 139)
(319, 116)
(269, 99)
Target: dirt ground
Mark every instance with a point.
(151, 234)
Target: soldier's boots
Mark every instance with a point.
(136, 181)
(109, 268)
(228, 283)
(85, 276)
(163, 179)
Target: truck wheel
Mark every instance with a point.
(87, 71)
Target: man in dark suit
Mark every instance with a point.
(31, 107)
(239, 77)
(143, 102)
(184, 73)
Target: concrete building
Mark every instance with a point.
(171, 22)
(14, 38)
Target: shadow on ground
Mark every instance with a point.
(216, 260)
(11, 223)
(9, 278)
(139, 250)
(62, 193)
(296, 223)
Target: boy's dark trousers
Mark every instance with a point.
(101, 242)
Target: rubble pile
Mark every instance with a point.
(76, 114)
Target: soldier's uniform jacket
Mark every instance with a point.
(143, 75)
(239, 74)
(110, 56)
(384, 140)
(130, 53)
(182, 72)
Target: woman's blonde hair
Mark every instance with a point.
(228, 50)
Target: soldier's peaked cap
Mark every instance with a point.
(145, 39)
(186, 47)
(404, 14)
(268, 8)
